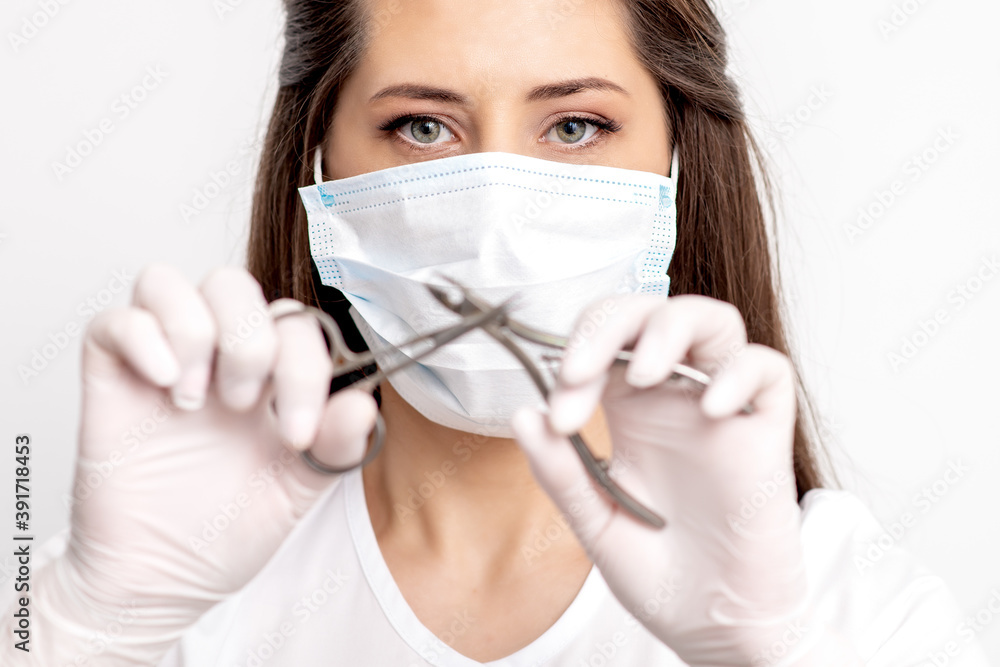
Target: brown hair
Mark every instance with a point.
(722, 239)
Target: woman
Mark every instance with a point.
(474, 537)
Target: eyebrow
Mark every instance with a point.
(548, 91)
(563, 88)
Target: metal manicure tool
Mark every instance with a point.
(502, 329)
(496, 322)
(346, 362)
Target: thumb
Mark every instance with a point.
(558, 469)
(343, 437)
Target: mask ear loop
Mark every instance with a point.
(675, 164)
(318, 165)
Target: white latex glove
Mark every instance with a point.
(175, 509)
(718, 589)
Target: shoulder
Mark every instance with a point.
(867, 584)
(834, 518)
(844, 541)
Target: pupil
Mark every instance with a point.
(572, 131)
(425, 131)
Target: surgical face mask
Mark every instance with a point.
(558, 235)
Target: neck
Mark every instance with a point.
(461, 496)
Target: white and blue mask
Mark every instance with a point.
(559, 235)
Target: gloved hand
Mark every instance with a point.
(174, 509)
(720, 585)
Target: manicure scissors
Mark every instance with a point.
(346, 361)
(496, 322)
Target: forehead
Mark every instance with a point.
(493, 46)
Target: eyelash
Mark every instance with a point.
(606, 126)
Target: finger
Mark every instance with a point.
(718, 333)
(342, 438)
(600, 332)
(187, 324)
(559, 471)
(247, 339)
(302, 375)
(133, 337)
(570, 407)
(760, 376)
(701, 331)
(673, 329)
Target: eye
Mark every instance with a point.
(571, 131)
(422, 130)
(577, 130)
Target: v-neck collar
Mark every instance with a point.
(425, 643)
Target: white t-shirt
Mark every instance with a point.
(328, 598)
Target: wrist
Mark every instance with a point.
(68, 626)
(817, 645)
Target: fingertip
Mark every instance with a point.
(186, 402)
(296, 447)
(362, 401)
(719, 401)
(533, 434)
(355, 409)
(299, 426)
(163, 369)
(526, 423)
(576, 368)
(241, 395)
(188, 393)
(640, 377)
(345, 430)
(569, 410)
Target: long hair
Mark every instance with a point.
(722, 248)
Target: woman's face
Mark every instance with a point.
(552, 79)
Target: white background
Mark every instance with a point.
(844, 104)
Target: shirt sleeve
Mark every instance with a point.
(864, 584)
